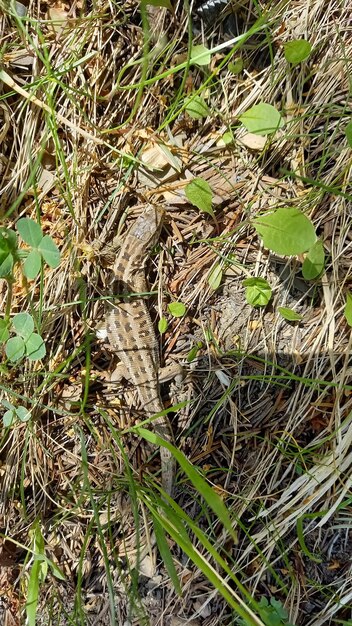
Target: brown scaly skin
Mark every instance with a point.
(130, 330)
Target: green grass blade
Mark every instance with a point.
(166, 554)
(209, 495)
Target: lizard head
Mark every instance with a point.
(146, 229)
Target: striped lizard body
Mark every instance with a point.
(130, 330)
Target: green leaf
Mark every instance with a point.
(208, 493)
(23, 414)
(228, 138)
(199, 193)
(286, 231)
(166, 554)
(348, 308)
(258, 291)
(4, 331)
(262, 119)
(23, 324)
(15, 348)
(50, 251)
(314, 262)
(215, 277)
(289, 314)
(35, 347)
(348, 133)
(236, 66)
(35, 577)
(200, 55)
(297, 51)
(196, 107)
(30, 231)
(177, 309)
(8, 418)
(8, 240)
(194, 351)
(32, 264)
(162, 325)
(279, 608)
(158, 3)
(6, 264)
(8, 249)
(7, 405)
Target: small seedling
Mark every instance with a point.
(25, 341)
(272, 613)
(258, 291)
(42, 247)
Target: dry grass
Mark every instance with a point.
(268, 422)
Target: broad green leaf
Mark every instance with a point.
(236, 66)
(4, 331)
(166, 554)
(50, 251)
(35, 347)
(23, 324)
(289, 314)
(23, 414)
(286, 231)
(158, 3)
(8, 418)
(200, 55)
(262, 119)
(297, 51)
(196, 107)
(162, 325)
(199, 193)
(348, 133)
(177, 309)
(15, 348)
(32, 264)
(314, 262)
(30, 231)
(258, 291)
(215, 277)
(348, 308)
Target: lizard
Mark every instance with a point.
(130, 331)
